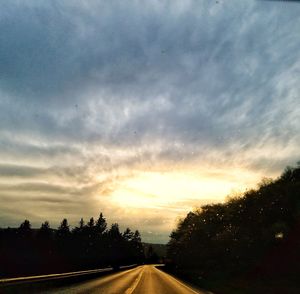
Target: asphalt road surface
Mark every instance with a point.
(140, 280)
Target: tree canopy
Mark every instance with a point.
(258, 232)
(31, 251)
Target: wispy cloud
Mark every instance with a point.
(94, 93)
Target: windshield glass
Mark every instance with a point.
(126, 124)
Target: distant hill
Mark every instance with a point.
(159, 249)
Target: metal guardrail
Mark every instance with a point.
(60, 276)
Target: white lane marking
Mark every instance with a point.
(185, 286)
(137, 280)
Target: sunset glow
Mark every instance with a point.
(159, 190)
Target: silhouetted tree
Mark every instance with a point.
(25, 229)
(254, 232)
(114, 232)
(101, 224)
(128, 235)
(81, 224)
(87, 246)
(44, 235)
(64, 229)
(138, 248)
(91, 223)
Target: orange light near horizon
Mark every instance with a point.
(163, 190)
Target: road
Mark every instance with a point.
(145, 279)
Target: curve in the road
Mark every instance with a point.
(140, 280)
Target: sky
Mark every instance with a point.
(143, 110)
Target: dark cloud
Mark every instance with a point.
(52, 200)
(12, 170)
(36, 187)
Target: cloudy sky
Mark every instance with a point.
(143, 110)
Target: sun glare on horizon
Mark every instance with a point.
(164, 190)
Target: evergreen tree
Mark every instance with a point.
(128, 235)
(63, 231)
(91, 223)
(101, 224)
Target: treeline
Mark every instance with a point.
(256, 234)
(26, 251)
